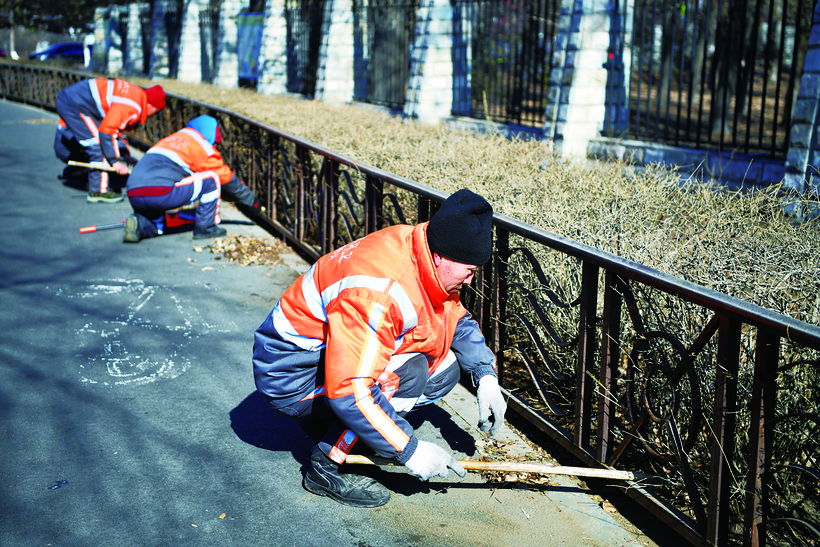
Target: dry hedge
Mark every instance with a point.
(738, 244)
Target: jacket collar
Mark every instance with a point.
(427, 268)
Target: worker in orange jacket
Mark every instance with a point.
(372, 331)
(96, 111)
(183, 169)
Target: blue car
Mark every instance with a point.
(67, 51)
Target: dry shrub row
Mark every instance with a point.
(737, 244)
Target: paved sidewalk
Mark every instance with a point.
(130, 415)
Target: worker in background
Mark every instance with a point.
(96, 111)
(184, 169)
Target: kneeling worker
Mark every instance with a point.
(374, 330)
(182, 169)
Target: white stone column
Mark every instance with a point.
(190, 43)
(227, 58)
(115, 40)
(430, 90)
(273, 59)
(578, 79)
(99, 56)
(334, 78)
(134, 53)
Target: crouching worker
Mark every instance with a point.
(372, 331)
(95, 113)
(184, 169)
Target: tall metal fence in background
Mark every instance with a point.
(716, 74)
(511, 51)
(304, 37)
(383, 33)
(616, 362)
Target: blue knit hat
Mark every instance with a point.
(207, 127)
(461, 229)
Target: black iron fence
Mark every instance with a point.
(383, 37)
(209, 35)
(507, 63)
(618, 363)
(716, 74)
(304, 38)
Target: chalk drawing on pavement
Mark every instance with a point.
(132, 333)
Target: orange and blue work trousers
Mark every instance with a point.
(151, 202)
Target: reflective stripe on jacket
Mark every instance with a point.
(361, 304)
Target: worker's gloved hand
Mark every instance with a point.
(491, 405)
(430, 460)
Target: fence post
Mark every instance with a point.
(334, 76)
(164, 39)
(99, 56)
(115, 40)
(576, 101)
(803, 157)
(227, 55)
(273, 60)
(134, 56)
(190, 43)
(430, 90)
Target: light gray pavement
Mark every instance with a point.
(125, 371)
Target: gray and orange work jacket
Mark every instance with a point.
(113, 105)
(351, 312)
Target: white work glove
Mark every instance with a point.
(490, 400)
(430, 460)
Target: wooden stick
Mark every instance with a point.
(93, 166)
(514, 467)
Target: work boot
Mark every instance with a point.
(211, 231)
(324, 478)
(108, 197)
(132, 230)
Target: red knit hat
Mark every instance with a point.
(156, 96)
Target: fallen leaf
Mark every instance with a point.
(206, 268)
(222, 516)
(195, 526)
(608, 507)
(198, 249)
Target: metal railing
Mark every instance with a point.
(616, 362)
(304, 34)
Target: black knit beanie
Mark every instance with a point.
(461, 229)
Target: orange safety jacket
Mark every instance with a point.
(189, 151)
(361, 304)
(113, 105)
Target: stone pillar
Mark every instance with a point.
(227, 58)
(161, 39)
(578, 79)
(334, 78)
(430, 90)
(115, 40)
(803, 157)
(134, 56)
(99, 56)
(190, 43)
(273, 57)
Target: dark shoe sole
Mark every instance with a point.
(320, 490)
(207, 235)
(101, 199)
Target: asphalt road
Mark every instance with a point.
(129, 414)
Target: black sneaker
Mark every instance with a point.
(211, 231)
(324, 478)
(107, 197)
(132, 230)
